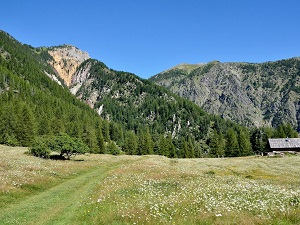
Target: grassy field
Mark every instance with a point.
(105, 189)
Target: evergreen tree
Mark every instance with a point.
(112, 148)
(221, 148)
(216, 144)
(258, 141)
(171, 148)
(244, 143)
(231, 146)
(289, 131)
(280, 132)
(130, 143)
(105, 130)
(163, 146)
(191, 148)
(100, 139)
(116, 132)
(145, 143)
(90, 138)
(26, 129)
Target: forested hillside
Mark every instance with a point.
(34, 105)
(162, 122)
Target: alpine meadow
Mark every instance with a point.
(82, 143)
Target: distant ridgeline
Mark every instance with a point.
(252, 94)
(114, 112)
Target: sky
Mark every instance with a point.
(146, 37)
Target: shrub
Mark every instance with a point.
(40, 148)
(63, 144)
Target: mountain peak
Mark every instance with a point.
(66, 59)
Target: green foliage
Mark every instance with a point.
(41, 148)
(152, 112)
(130, 143)
(216, 144)
(63, 144)
(232, 145)
(113, 149)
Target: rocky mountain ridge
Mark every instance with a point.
(254, 94)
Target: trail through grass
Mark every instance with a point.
(57, 205)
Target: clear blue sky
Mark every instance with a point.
(148, 36)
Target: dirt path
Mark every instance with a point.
(57, 205)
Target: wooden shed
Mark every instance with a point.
(284, 144)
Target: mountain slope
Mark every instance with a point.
(32, 104)
(252, 94)
(141, 106)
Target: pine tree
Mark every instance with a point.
(289, 131)
(90, 138)
(112, 148)
(232, 145)
(26, 130)
(258, 141)
(244, 143)
(105, 130)
(214, 143)
(130, 143)
(100, 139)
(280, 133)
(145, 143)
(162, 146)
(191, 148)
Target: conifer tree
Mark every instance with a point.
(191, 148)
(214, 144)
(232, 146)
(100, 140)
(244, 143)
(145, 143)
(105, 130)
(130, 143)
(90, 138)
(26, 129)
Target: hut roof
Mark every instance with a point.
(284, 143)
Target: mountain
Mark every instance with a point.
(253, 94)
(145, 108)
(48, 91)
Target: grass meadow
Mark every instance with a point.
(106, 189)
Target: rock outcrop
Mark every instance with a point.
(66, 59)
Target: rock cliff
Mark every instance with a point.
(66, 59)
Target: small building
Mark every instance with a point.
(284, 145)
